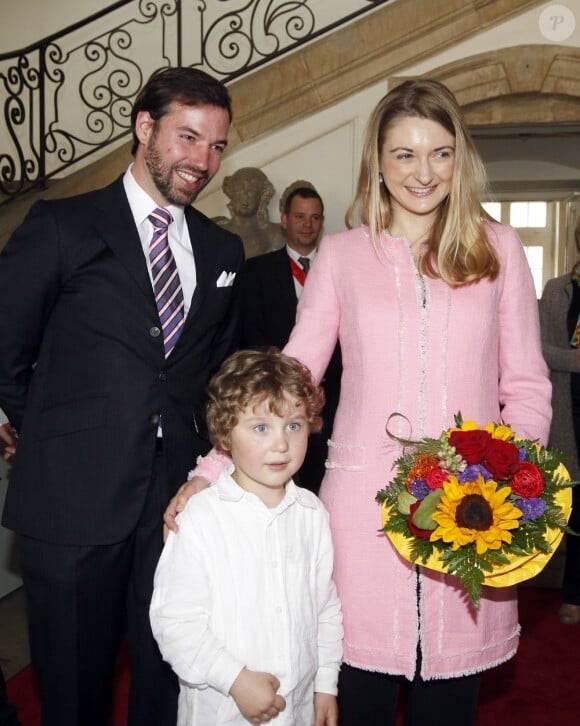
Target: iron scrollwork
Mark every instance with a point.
(243, 37)
(69, 96)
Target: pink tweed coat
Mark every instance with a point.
(418, 347)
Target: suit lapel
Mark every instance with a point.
(284, 281)
(202, 271)
(115, 223)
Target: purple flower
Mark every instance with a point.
(522, 454)
(419, 488)
(472, 472)
(531, 508)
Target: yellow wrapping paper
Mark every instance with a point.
(519, 568)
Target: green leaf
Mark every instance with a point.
(469, 567)
(404, 501)
(423, 516)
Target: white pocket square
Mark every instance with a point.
(226, 279)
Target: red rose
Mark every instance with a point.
(501, 459)
(417, 531)
(471, 445)
(528, 481)
(435, 478)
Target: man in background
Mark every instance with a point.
(115, 308)
(271, 287)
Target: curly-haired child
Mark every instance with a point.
(244, 607)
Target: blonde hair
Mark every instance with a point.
(458, 250)
(250, 377)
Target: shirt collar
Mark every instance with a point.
(142, 204)
(295, 255)
(229, 491)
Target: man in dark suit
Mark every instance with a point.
(270, 288)
(115, 308)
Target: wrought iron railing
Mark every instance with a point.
(69, 96)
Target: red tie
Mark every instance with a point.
(298, 272)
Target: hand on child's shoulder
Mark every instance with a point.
(179, 502)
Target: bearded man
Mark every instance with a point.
(115, 308)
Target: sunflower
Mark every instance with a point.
(475, 511)
(499, 431)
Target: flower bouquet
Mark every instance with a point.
(478, 503)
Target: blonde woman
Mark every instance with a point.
(435, 310)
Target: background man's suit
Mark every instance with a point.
(267, 316)
(88, 414)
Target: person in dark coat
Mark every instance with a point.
(560, 325)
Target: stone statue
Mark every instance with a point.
(250, 192)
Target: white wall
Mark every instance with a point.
(525, 29)
(23, 22)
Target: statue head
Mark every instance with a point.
(250, 192)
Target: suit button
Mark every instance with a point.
(154, 332)
(155, 418)
(162, 376)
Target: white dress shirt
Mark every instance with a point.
(241, 585)
(3, 418)
(178, 235)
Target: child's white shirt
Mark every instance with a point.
(241, 585)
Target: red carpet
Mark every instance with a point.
(24, 694)
(539, 687)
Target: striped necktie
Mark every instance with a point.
(166, 283)
(305, 262)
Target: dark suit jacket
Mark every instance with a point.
(83, 376)
(267, 316)
(268, 310)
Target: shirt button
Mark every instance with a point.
(278, 609)
(154, 332)
(274, 564)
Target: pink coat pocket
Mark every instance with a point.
(349, 457)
